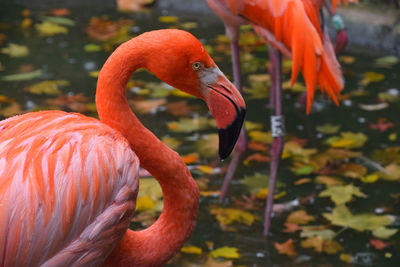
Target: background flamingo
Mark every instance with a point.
(68, 183)
(291, 27)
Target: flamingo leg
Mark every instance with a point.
(277, 128)
(241, 144)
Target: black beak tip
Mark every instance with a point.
(229, 135)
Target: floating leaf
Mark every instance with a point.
(300, 217)
(187, 125)
(12, 110)
(347, 140)
(263, 137)
(225, 252)
(382, 125)
(341, 194)
(47, 87)
(181, 108)
(391, 173)
(144, 203)
(147, 106)
(171, 142)
(347, 59)
(328, 128)
(207, 146)
(92, 48)
(60, 20)
(383, 232)
(168, 19)
(321, 245)
(286, 248)
(361, 222)
(22, 76)
(321, 231)
(387, 61)
(379, 244)
(370, 77)
(47, 28)
(328, 180)
(192, 250)
(15, 50)
(374, 107)
(227, 216)
(256, 183)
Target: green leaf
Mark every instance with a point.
(326, 234)
(361, 222)
(304, 170)
(22, 76)
(59, 20)
(187, 125)
(341, 194)
(383, 232)
(207, 146)
(387, 61)
(256, 183)
(47, 28)
(328, 128)
(92, 47)
(15, 50)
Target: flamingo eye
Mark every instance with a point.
(197, 65)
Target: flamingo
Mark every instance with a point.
(68, 183)
(292, 28)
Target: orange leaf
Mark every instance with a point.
(291, 228)
(257, 146)
(379, 244)
(299, 217)
(257, 157)
(286, 248)
(191, 158)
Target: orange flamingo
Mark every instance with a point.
(291, 27)
(68, 183)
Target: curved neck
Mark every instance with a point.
(156, 244)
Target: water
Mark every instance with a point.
(62, 57)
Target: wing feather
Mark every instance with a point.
(64, 174)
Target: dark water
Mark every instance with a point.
(62, 57)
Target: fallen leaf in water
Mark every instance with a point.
(21, 76)
(192, 250)
(374, 107)
(342, 216)
(328, 128)
(286, 248)
(171, 142)
(227, 216)
(191, 158)
(257, 146)
(207, 146)
(263, 137)
(92, 48)
(132, 5)
(341, 194)
(370, 77)
(103, 29)
(257, 157)
(379, 244)
(321, 245)
(291, 228)
(382, 125)
(300, 217)
(60, 12)
(15, 50)
(181, 108)
(347, 140)
(225, 252)
(60, 21)
(51, 87)
(387, 61)
(391, 173)
(187, 125)
(47, 28)
(147, 106)
(11, 110)
(347, 59)
(168, 19)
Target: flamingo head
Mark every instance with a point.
(185, 64)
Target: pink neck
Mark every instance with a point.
(156, 244)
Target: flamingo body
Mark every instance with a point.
(80, 178)
(68, 183)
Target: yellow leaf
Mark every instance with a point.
(372, 77)
(15, 50)
(263, 193)
(94, 74)
(180, 93)
(192, 250)
(347, 59)
(343, 143)
(372, 178)
(168, 19)
(225, 252)
(286, 248)
(47, 87)
(393, 137)
(144, 203)
(205, 169)
(263, 137)
(227, 216)
(341, 194)
(26, 23)
(345, 257)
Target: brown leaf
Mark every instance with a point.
(291, 228)
(257, 146)
(103, 29)
(257, 157)
(181, 108)
(146, 106)
(299, 217)
(286, 248)
(60, 12)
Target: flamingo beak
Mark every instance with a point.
(227, 106)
